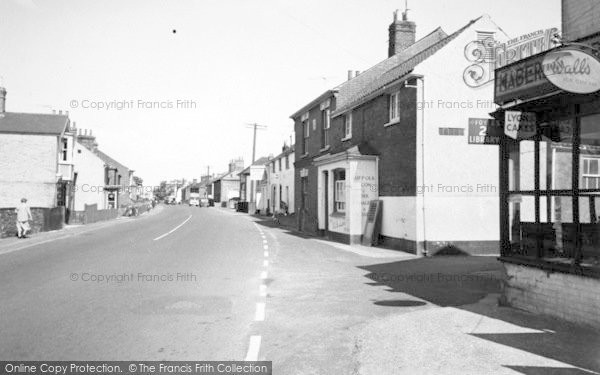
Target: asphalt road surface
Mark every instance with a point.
(198, 284)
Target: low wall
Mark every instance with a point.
(567, 296)
(91, 214)
(44, 219)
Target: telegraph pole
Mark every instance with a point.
(255, 126)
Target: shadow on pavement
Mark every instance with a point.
(463, 281)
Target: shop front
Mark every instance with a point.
(347, 183)
(550, 183)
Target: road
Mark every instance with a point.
(189, 283)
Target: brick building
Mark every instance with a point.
(250, 179)
(36, 158)
(397, 133)
(226, 187)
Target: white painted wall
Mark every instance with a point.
(90, 178)
(459, 182)
(283, 178)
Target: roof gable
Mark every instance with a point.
(389, 71)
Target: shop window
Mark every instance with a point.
(348, 125)
(394, 107)
(553, 198)
(590, 174)
(339, 195)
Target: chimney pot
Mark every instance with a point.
(401, 34)
(2, 100)
(357, 73)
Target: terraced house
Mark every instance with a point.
(398, 133)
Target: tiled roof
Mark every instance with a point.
(33, 123)
(392, 69)
(108, 160)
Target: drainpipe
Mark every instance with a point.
(424, 222)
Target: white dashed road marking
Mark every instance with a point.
(254, 348)
(263, 275)
(262, 290)
(260, 312)
(265, 263)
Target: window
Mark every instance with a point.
(305, 133)
(452, 131)
(590, 174)
(348, 125)
(279, 162)
(273, 166)
(65, 148)
(287, 162)
(325, 127)
(339, 194)
(119, 180)
(394, 107)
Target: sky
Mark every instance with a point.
(168, 87)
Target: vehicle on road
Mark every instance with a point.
(194, 202)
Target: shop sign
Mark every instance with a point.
(522, 80)
(484, 131)
(487, 54)
(520, 125)
(572, 70)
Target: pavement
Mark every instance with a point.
(218, 285)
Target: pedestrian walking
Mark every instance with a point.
(23, 217)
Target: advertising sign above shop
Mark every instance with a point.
(519, 125)
(487, 54)
(484, 131)
(572, 70)
(522, 80)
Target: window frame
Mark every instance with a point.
(394, 107)
(347, 126)
(339, 190)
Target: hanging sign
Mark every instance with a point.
(521, 125)
(572, 70)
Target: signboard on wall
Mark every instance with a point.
(484, 131)
(572, 70)
(522, 80)
(521, 125)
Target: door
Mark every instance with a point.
(326, 200)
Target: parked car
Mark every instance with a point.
(194, 202)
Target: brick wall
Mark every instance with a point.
(396, 144)
(566, 296)
(29, 166)
(580, 18)
(44, 219)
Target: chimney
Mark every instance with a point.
(349, 75)
(2, 101)
(402, 34)
(356, 73)
(87, 140)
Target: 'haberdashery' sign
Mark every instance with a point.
(522, 80)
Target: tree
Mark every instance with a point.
(137, 181)
(162, 191)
